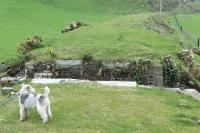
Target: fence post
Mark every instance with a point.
(198, 42)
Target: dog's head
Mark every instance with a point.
(27, 88)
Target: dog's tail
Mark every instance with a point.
(46, 91)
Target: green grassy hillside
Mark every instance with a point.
(25, 18)
(124, 37)
(92, 108)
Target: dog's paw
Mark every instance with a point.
(21, 120)
(45, 121)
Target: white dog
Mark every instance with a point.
(29, 99)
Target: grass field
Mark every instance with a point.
(191, 23)
(93, 108)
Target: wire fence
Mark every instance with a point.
(190, 35)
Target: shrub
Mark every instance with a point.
(87, 57)
(50, 51)
(29, 44)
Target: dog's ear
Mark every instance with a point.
(29, 88)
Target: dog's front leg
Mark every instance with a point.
(23, 113)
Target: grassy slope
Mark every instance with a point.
(123, 37)
(101, 38)
(25, 18)
(91, 108)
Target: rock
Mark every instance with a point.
(29, 70)
(43, 75)
(67, 64)
(172, 89)
(8, 81)
(2, 68)
(15, 69)
(187, 79)
(118, 83)
(191, 92)
(116, 65)
(6, 90)
(69, 69)
(74, 25)
(41, 68)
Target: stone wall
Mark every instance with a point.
(68, 69)
(94, 70)
(152, 77)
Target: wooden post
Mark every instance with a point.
(198, 42)
(181, 28)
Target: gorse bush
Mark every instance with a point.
(29, 44)
(50, 51)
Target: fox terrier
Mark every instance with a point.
(29, 99)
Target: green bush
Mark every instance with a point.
(87, 57)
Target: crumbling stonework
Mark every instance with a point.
(92, 70)
(154, 76)
(97, 70)
(68, 69)
(116, 70)
(40, 69)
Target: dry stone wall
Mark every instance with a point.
(94, 70)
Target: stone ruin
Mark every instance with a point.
(153, 77)
(94, 70)
(74, 25)
(39, 70)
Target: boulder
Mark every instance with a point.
(29, 70)
(8, 81)
(6, 90)
(116, 70)
(191, 92)
(68, 64)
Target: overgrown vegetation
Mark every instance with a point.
(29, 44)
